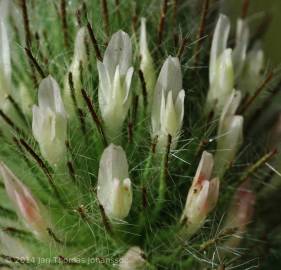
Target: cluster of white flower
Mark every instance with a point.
(228, 69)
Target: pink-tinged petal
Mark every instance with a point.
(242, 208)
(213, 194)
(26, 205)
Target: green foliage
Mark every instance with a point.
(80, 228)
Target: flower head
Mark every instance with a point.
(79, 61)
(202, 196)
(49, 123)
(114, 186)
(25, 203)
(230, 134)
(168, 103)
(115, 75)
(221, 73)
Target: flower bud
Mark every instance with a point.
(202, 196)
(25, 203)
(219, 44)
(79, 61)
(133, 260)
(49, 123)
(240, 213)
(146, 63)
(222, 83)
(221, 75)
(114, 186)
(168, 103)
(230, 134)
(240, 50)
(252, 76)
(115, 75)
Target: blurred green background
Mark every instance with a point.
(257, 10)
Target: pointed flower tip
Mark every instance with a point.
(202, 196)
(205, 167)
(114, 94)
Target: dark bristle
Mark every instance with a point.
(9, 121)
(182, 47)
(43, 167)
(94, 41)
(175, 13)
(105, 16)
(26, 23)
(72, 90)
(105, 220)
(245, 8)
(71, 171)
(94, 115)
(244, 107)
(35, 63)
(143, 85)
(257, 165)
(54, 237)
(144, 197)
(130, 132)
(161, 26)
(154, 144)
(201, 31)
(64, 22)
(265, 105)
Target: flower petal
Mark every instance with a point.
(118, 52)
(219, 43)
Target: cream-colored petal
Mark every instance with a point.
(219, 43)
(118, 52)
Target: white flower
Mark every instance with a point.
(240, 50)
(133, 260)
(115, 75)
(219, 44)
(146, 63)
(252, 76)
(79, 60)
(5, 59)
(49, 123)
(223, 83)
(230, 134)
(114, 186)
(25, 203)
(168, 103)
(221, 74)
(202, 196)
